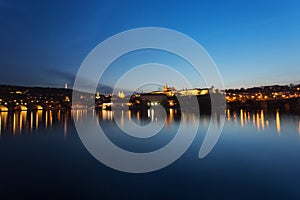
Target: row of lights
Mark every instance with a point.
(260, 96)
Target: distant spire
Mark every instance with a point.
(121, 94)
(66, 85)
(165, 88)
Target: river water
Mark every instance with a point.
(256, 157)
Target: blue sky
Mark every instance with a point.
(253, 42)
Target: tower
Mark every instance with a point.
(165, 88)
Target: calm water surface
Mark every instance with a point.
(256, 157)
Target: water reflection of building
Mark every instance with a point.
(16, 123)
(19, 122)
(278, 128)
(260, 120)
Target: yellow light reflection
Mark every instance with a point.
(36, 120)
(138, 115)
(4, 119)
(38, 117)
(152, 114)
(129, 115)
(58, 116)
(267, 123)
(104, 113)
(46, 119)
(65, 127)
(234, 117)
(228, 115)
(262, 117)
(20, 123)
(171, 115)
(78, 115)
(50, 118)
(278, 122)
(14, 123)
(242, 117)
(23, 116)
(257, 121)
(31, 121)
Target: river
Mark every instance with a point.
(256, 157)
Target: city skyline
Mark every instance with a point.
(253, 43)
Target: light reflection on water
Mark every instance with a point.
(264, 121)
(269, 166)
(23, 122)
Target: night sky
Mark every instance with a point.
(253, 43)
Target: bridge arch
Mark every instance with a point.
(39, 107)
(3, 108)
(21, 108)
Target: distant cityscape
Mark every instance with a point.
(12, 98)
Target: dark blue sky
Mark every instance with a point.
(252, 42)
